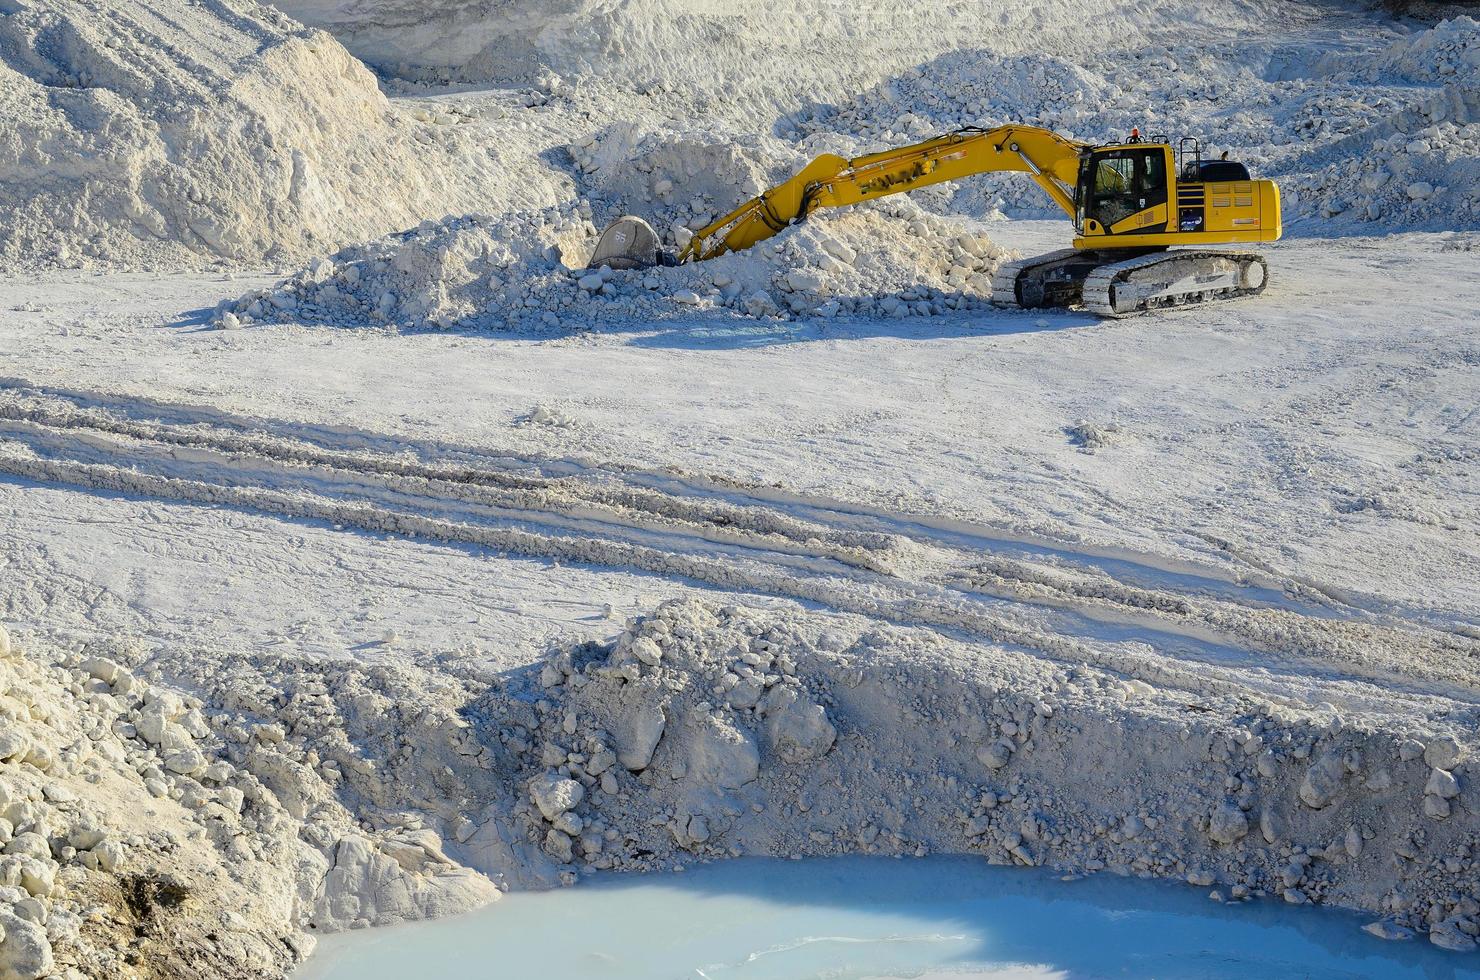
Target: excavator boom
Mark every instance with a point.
(830, 181)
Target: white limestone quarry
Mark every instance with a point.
(1187, 598)
(1407, 162)
(126, 142)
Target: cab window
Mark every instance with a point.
(1153, 178)
(1115, 176)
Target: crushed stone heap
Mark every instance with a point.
(514, 272)
(144, 834)
(153, 133)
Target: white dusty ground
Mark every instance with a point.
(515, 576)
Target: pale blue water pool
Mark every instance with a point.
(877, 919)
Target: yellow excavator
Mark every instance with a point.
(1131, 203)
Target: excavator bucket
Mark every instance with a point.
(628, 243)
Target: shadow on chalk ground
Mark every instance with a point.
(740, 333)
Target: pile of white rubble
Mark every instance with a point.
(144, 834)
(527, 271)
(706, 732)
(1419, 167)
(1388, 136)
(717, 60)
(157, 133)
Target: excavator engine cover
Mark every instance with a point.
(628, 243)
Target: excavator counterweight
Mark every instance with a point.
(1129, 202)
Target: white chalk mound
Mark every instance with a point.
(525, 270)
(737, 55)
(1419, 167)
(157, 132)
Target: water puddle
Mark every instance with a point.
(877, 919)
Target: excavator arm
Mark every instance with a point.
(833, 182)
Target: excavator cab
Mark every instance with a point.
(1144, 195)
(1123, 190)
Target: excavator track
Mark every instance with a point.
(1053, 279)
(1168, 279)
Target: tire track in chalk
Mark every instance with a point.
(800, 551)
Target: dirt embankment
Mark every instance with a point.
(311, 796)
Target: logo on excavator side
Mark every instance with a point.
(883, 182)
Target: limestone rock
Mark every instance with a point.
(747, 693)
(1449, 934)
(86, 835)
(723, 754)
(25, 952)
(101, 669)
(601, 760)
(638, 733)
(1442, 784)
(110, 855)
(995, 755)
(1228, 824)
(155, 716)
(38, 877)
(558, 845)
(31, 845)
(1436, 807)
(804, 281)
(13, 745)
(1443, 753)
(646, 651)
(1388, 929)
(1323, 781)
(555, 794)
(798, 730)
(363, 883)
(698, 828)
